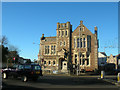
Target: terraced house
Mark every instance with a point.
(69, 50)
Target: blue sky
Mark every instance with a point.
(23, 23)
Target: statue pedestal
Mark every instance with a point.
(64, 67)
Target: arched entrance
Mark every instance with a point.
(60, 63)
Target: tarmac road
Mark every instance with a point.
(47, 82)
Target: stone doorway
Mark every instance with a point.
(61, 60)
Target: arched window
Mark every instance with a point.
(80, 62)
(66, 32)
(83, 61)
(84, 42)
(75, 58)
(60, 43)
(62, 33)
(74, 42)
(49, 62)
(78, 42)
(54, 49)
(44, 62)
(59, 33)
(64, 43)
(53, 62)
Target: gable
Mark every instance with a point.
(61, 52)
(85, 31)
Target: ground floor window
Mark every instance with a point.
(83, 61)
(80, 62)
(44, 62)
(49, 62)
(53, 62)
(75, 58)
(87, 61)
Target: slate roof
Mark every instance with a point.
(103, 53)
(49, 39)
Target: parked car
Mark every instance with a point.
(24, 71)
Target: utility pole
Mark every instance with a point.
(79, 51)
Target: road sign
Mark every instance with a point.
(13, 58)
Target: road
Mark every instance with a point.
(47, 82)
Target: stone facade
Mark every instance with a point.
(69, 50)
(114, 59)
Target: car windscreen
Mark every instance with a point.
(36, 67)
(21, 67)
(27, 67)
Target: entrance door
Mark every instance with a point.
(60, 63)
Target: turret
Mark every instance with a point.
(58, 25)
(81, 22)
(95, 31)
(42, 37)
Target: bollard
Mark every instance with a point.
(118, 77)
(102, 74)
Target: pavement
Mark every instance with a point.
(108, 78)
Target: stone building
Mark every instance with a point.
(114, 60)
(69, 50)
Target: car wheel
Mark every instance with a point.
(4, 75)
(24, 78)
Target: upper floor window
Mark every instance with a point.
(66, 32)
(62, 33)
(46, 49)
(53, 48)
(84, 42)
(64, 43)
(49, 62)
(89, 42)
(60, 43)
(74, 42)
(78, 43)
(59, 33)
(80, 28)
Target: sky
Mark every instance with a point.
(23, 23)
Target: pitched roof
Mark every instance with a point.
(103, 53)
(49, 39)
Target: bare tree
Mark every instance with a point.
(4, 40)
(13, 48)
